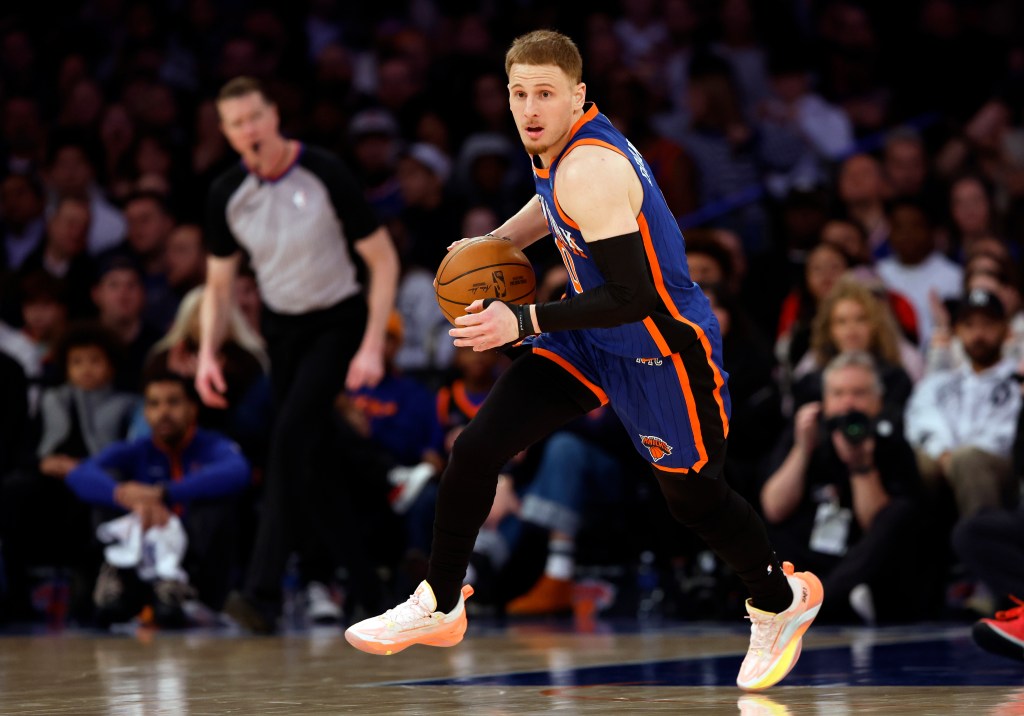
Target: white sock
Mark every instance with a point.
(561, 562)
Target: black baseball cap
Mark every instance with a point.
(979, 300)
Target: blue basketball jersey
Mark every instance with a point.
(686, 314)
(663, 375)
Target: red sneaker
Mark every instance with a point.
(1003, 635)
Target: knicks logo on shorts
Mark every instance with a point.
(657, 447)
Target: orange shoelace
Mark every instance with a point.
(1013, 613)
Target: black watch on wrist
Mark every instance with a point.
(862, 469)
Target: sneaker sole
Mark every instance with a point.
(787, 660)
(994, 642)
(448, 637)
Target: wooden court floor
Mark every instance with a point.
(522, 669)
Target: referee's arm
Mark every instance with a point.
(213, 321)
(378, 252)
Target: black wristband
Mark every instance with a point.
(862, 470)
(523, 318)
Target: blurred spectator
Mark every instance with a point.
(430, 218)
(23, 141)
(946, 351)
(44, 313)
(862, 193)
(71, 171)
(117, 134)
(962, 422)
(181, 477)
(376, 145)
(642, 35)
(853, 64)
(245, 364)
(825, 265)
(972, 214)
(21, 211)
(391, 437)
(851, 319)
(185, 259)
(816, 132)
(756, 419)
(63, 255)
(41, 521)
(119, 298)
(579, 475)
(709, 262)
(630, 106)
(739, 25)
(915, 268)
(490, 172)
(149, 224)
(725, 147)
(991, 546)
(905, 162)
(842, 496)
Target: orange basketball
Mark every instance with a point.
(486, 267)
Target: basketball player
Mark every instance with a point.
(634, 332)
(299, 214)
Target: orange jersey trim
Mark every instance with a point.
(659, 282)
(683, 470)
(574, 371)
(587, 116)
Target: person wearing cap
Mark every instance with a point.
(962, 422)
(300, 215)
(946, 351)
(428, 212)
(376, 143)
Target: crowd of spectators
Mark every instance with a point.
(850, 179)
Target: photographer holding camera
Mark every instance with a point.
(842, 494)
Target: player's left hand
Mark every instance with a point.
(365, 369)
(484, 330)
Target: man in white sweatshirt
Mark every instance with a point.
(962, 422)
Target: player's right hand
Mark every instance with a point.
(210, 383)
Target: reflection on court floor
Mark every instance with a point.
(503, 669)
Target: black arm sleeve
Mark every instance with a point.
(627, 295)
(354, 213)
(218, 237)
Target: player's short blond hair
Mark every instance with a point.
(546, 47)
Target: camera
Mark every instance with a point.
(855, 426)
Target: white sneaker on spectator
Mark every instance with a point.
(408, 483)
(320, 606)
(862, 602)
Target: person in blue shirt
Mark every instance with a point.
(180, 469)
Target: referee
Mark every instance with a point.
(299, 215)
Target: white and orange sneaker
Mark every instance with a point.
(414, 621)
(776, 639)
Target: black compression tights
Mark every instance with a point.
(535, 397)
(717, 514)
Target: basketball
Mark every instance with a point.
(486, 267)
